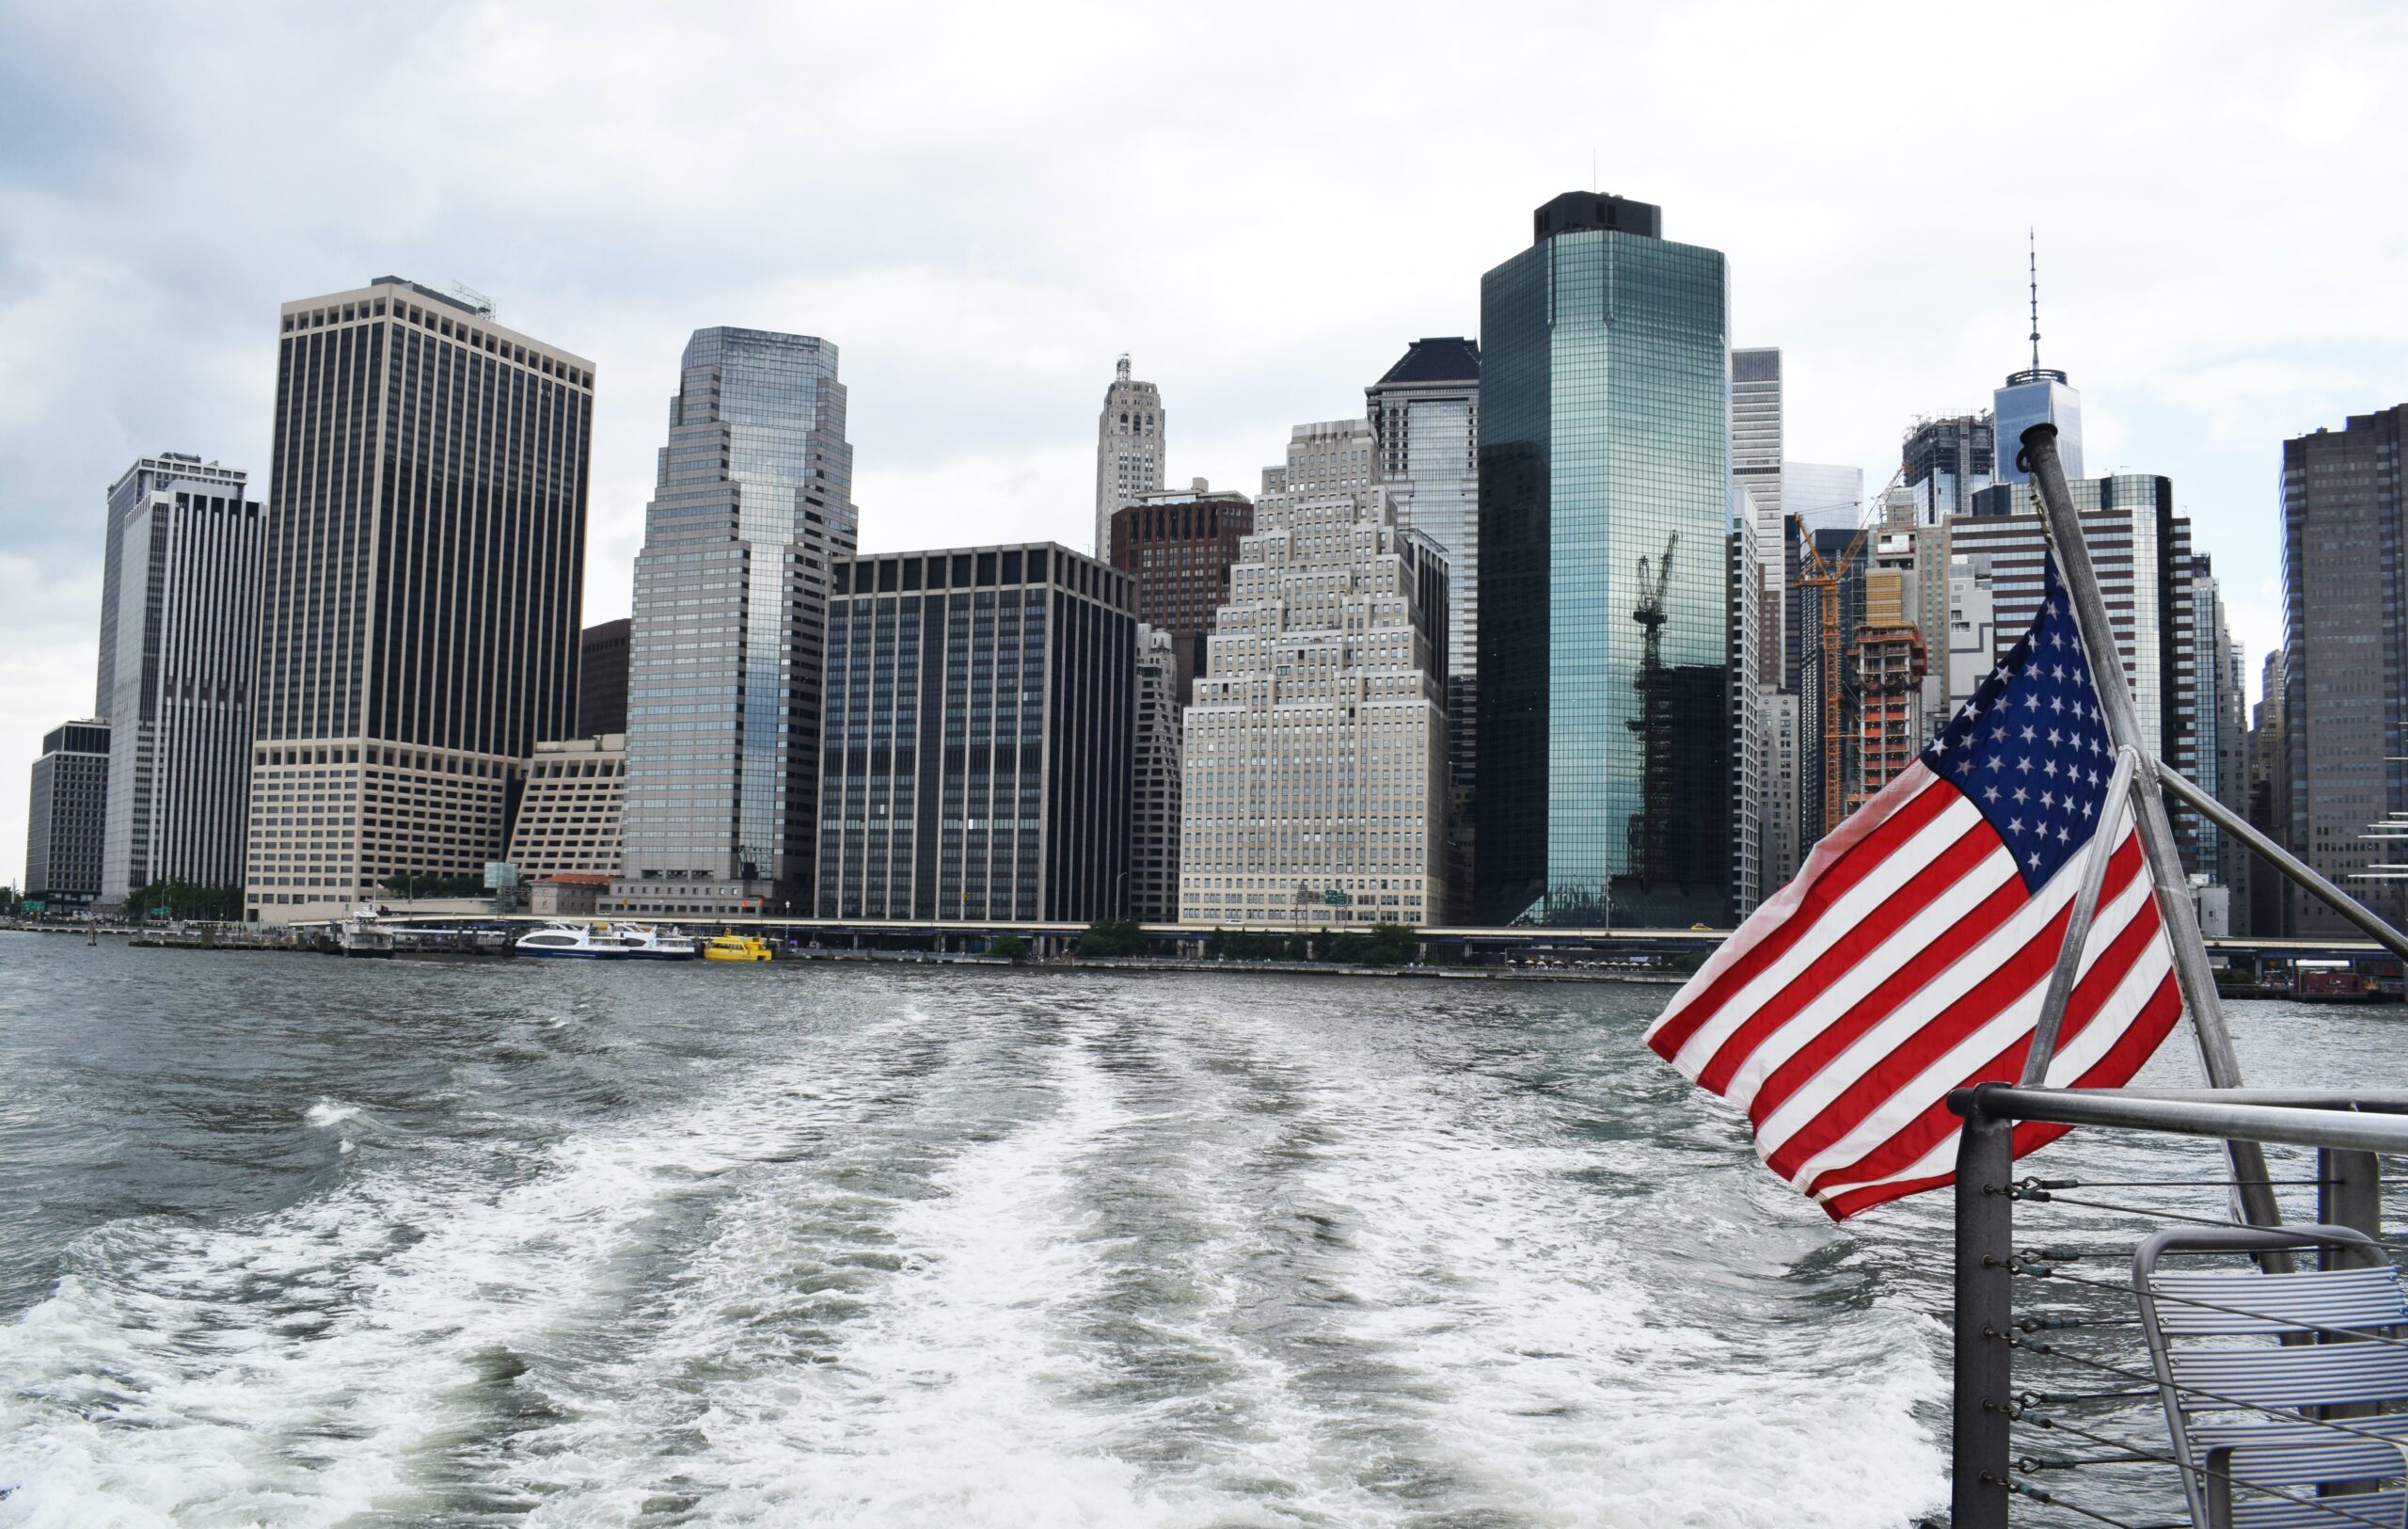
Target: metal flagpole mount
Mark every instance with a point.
(2085, 909)
(2061, 526)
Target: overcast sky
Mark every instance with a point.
(983, 206)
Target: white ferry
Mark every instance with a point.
(649, 942)
(578, 942)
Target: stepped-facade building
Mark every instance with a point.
(1314, 753)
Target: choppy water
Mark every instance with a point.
(296, 1241)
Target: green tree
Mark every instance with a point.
(1113, 937)
(1010, 948)
(184, 899)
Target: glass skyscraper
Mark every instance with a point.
(2029, 397)
(752, 506)
(1604, 474)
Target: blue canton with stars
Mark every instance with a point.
(2031, 750)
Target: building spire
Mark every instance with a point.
(1121, 371)
(2032, 238)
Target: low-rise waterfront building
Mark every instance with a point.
(570, 808)
(568, 893)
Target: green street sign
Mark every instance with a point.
(1336, 898)
(34, 905)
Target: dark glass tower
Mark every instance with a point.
(753, 504)
(1605, 469)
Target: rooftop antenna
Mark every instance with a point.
(1121, 371)
(2032, 238)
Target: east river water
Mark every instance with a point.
(291, 1240)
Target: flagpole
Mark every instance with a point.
(2062, 525)
(2043, 1049)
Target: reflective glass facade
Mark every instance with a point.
(1605, 469)
(753, 505)
(2028, 398)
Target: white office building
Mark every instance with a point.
(1128, 450)
(1314, 753)
(179, 641)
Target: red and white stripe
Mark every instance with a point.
(1907, 960)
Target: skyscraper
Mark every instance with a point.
(602, 678)
(1755, 467)
(1605, 478)
(980, 722)
(1153, 814)
(67, 816)
(2269, 801)
(2345, 649)
(129, 493)
(753, 505)
(1176, 546)
(1315, 749)
(1425, 417)
(186, 553)
(1756, 428)
(2030, 396)
(2141, 550)
(425, 554)
(1945, 461)
(1128, 449)
(1825, 495)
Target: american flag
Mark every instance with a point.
(1909, 955)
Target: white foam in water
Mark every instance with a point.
(326, 1112)
(1045, 1256)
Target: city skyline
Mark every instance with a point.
(978, 350)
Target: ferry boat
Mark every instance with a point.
(564, 938)
(649, 942)
(729, 946)
(2332, 982)
(364, 933)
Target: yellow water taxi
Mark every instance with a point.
(729, 946)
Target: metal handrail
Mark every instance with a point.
(2349, 1128)
(2332, 1123)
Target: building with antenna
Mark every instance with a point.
(1128, 450)
(2032, 396)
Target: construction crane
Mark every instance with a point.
(1654, 725)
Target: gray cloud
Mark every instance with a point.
(983, 205)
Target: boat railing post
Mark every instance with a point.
(1985, 1377)
(2348, 1192)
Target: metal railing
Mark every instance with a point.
(2066, 1436)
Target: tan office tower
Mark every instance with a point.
(1314, 754)
(1128, 451)
(419, 614)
